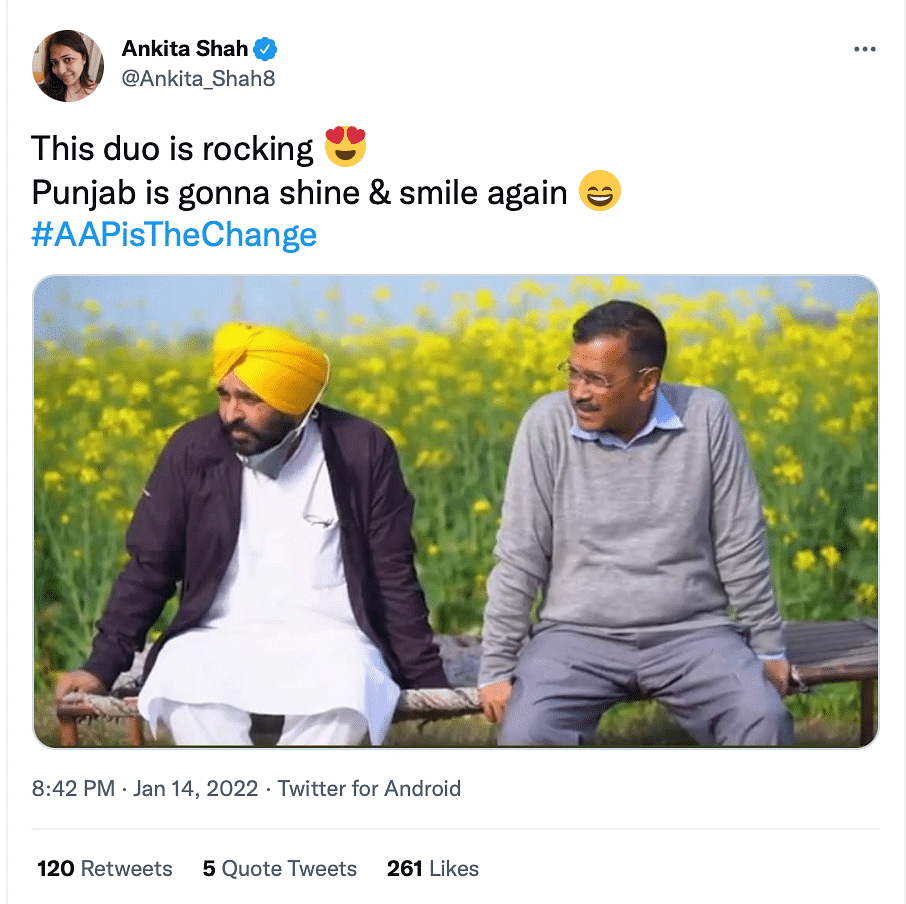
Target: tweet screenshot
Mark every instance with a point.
(466, 449)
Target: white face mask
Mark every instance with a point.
(271, 461)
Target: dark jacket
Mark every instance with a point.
(186, 525)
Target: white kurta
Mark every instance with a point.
(280, 636)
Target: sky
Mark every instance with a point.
(174, 304)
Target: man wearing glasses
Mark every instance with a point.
(632, 506)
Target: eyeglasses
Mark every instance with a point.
(596, 381)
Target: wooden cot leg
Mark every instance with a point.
(69, 731)
(136, 736)
(866, 712)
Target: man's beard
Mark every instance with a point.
(247, 441)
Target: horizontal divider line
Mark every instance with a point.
(70, 828)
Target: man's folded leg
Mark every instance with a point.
(218, 725)
(206, 724)
(563, 683)
(335, 728)
(715, 686)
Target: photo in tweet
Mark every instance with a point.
(504, 482)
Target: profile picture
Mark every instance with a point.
(68, 66)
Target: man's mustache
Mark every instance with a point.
(239, 425)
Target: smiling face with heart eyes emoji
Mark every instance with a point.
(345, 147)
(599, 190)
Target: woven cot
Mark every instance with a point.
(821, 653)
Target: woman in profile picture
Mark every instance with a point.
(66, 66)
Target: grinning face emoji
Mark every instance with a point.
(345, 147)
(599, 190)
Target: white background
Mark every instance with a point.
(746, 139)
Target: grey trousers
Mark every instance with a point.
(709, 678)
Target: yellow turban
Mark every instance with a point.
(288, 374)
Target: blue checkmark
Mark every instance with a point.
(265, 48)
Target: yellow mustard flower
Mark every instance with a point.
(139, 391)
(790, 472)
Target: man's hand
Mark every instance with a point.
(78, 681)
(494, 698)
(777, 671)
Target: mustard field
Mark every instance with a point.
(803, 384)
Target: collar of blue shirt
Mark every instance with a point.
(663, 417)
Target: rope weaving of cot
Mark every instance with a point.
(424, 704)
(821, 652)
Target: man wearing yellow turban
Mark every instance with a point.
(287, 524)
(274, 380)
(288, 374)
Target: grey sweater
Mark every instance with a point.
(666, 534)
